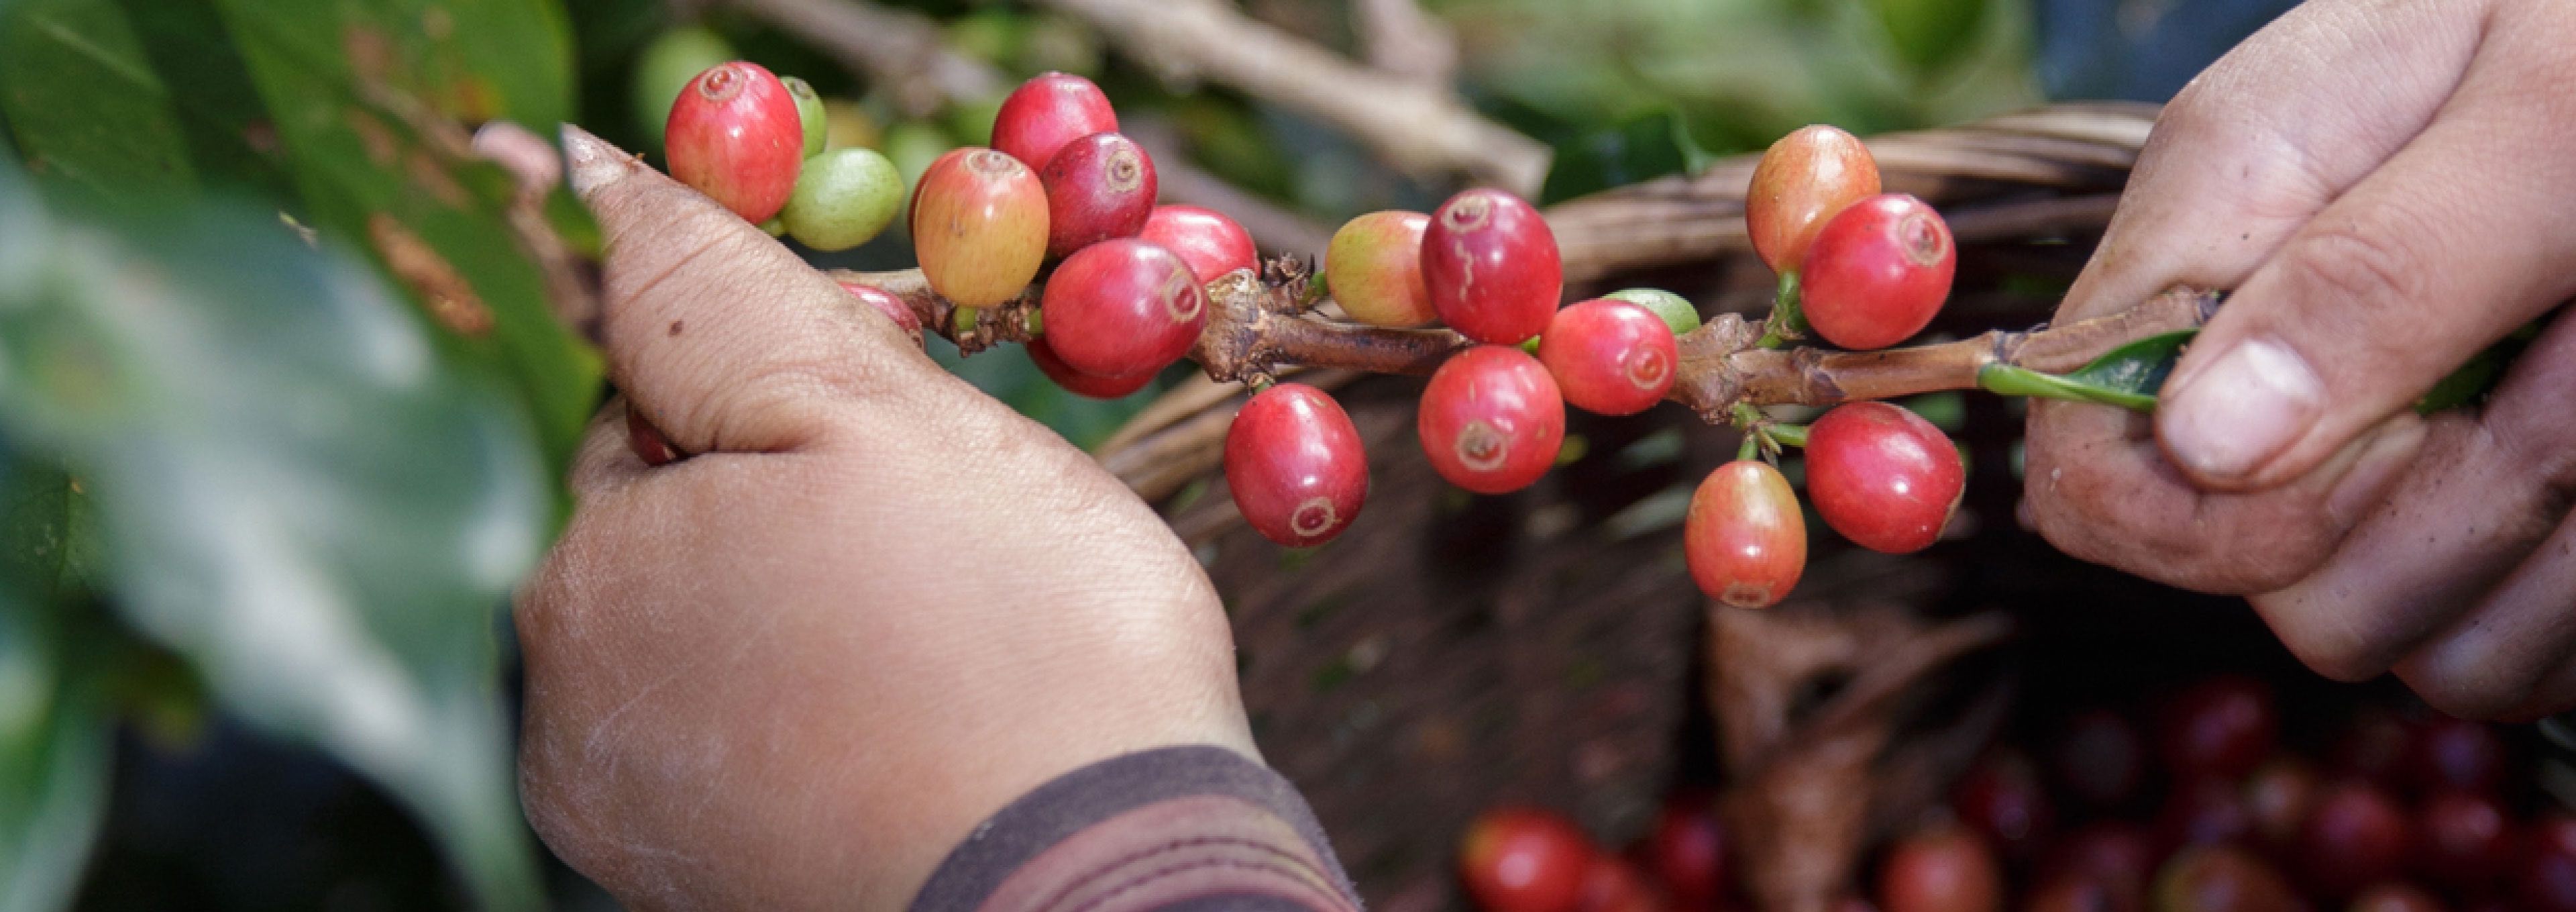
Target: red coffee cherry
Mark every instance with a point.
(2222, 878)
(2467, 840)
(1212, 244)
(1491, 420)
(1806, 179)
(2279, 796)
(2202, 812)
(892, 307)
(1492, 267)
(2547, 881)
(2374, 747)
(2003, 800)
(1374, 268)
(1098, 187)
(735, 135)
(2115, 853)
(2355, 835)
(1047, 112)
(1082, 384)
(1517, 859)
(979, 227)
(648, 442)
(1614, 884)
(1687, 851)
(1878, 272)
(1940, 870)
(2395, 897)
(2100, 759)
(1610, 357)
(1744, 538)
(1123, 306)
(1293, 461)
(1882, 476)
(2455, 754)
(2221, 727)
(2078, 894)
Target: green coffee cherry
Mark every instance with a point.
(666, 67)
(913, 146)
(1676, 310)
(774, 227)
(843, 198)
(809, 113)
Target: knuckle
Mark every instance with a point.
(2359, 266)
(2329, 642)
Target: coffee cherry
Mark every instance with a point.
(809, 114)
(1882, 476)
(1941, 870)
(2114, 853)
(1374, 268)
(979, 228)
(2078, 894)
(1610, 357)
(2466, 840)
(1123, 306)
(1676, 311)
(943, 162)
(2454, 754)
(1082, 384)
(1613, 884)
(2203, 812)
(848, 126)
(1806, 178)
(2222, 878)
(648, 442)
(1518, 859)
(1491, 266)
(1047, 112)
(1491, 420)
(1687, 851)
(1878, 272)
(1744, 538)
(1211, 243)
(2221, 727)
(2395, 897)
(843, 198)
(666, 67)
(2279, 797)
(2100, 759)
(2002, 799)
(734, 135)
(1293, 461)
(2355, 834)
(1098, 187)
(892, 307)
(2547, 881)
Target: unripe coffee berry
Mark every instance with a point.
(1123, 306)
(809, 113)
(1744, 538)
(1802, 182)
(1492, 267)
(1882, 476)
(1675, 310)
(892, 307)
(1294, 463)
(843, 198)
(734, 134)
(979, 227)
(1082, 384)
(1374, 268)
(1491, 420)
(1609, 357)
(1048, 111)
(1878, 272)
(1098, 187)
(1211, 243)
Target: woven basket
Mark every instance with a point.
(1449, 652)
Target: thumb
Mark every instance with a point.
(721, 336)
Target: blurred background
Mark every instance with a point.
(205, 809)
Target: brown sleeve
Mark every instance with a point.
(1195, 828)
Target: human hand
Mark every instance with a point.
(2383, 183)
(792, 671)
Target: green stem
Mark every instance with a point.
(1751, 447)
(1788, 322)
(1789, 434)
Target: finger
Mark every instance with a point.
(726, 340)
(2455, 242)
(2099, 490)
(2267, 137)
(2486, 492)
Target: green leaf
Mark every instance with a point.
(54, 743)
(2127, 376)
(368, 97)
(293, 491)
(132, 105)
(1639, 149)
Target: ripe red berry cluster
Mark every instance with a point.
(2201, 805)
(757, 144)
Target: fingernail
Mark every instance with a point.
(2245, 408)
(2385, 456)
(591, 162)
